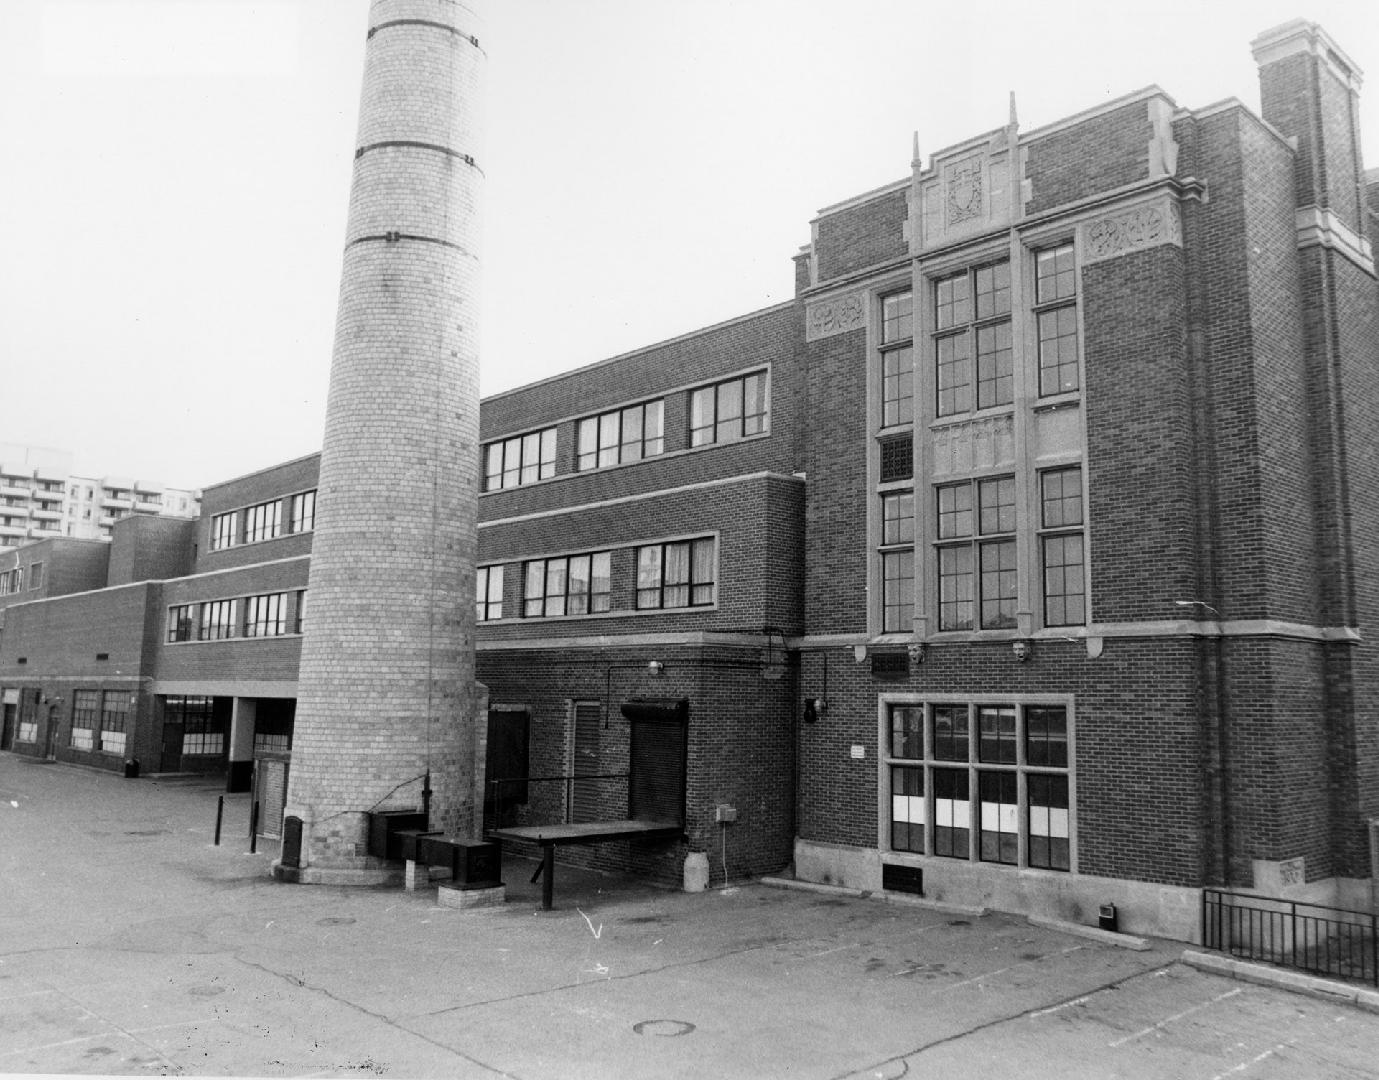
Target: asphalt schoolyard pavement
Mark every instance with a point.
(129, 944)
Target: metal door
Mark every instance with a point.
(50, 741)
(585, 760)
(171, 760)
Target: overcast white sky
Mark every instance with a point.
(174, 177)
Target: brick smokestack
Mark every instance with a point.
(386, 690)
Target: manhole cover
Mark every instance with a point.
(335, 920)
(664, 1028)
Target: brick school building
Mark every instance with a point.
(1028, 557)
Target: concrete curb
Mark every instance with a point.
(1297, 981)
(1095, 933)
(867, 894)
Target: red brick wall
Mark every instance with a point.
(269, 658)
(60, 640)
(759, 525)
(740, 732)
(151, 548)
(1098, 154)
(1139, 436)
(279, 481)
(861, 235)
(755, 339)
(1138, 767)
(835, 461)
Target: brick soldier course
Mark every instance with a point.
(1026, 558)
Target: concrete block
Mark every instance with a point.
(465, 899)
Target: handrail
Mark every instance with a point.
(1338, 942)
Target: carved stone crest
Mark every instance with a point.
(964, 191)
(837, 315)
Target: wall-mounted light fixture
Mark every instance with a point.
(814, 709)
(655, 667)
(1023, 650)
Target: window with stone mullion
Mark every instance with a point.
(1062, 550)
(1055, 305)
(897, 561)
(897, 359)
(978, 580)
(972, 323)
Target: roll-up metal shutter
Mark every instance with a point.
(659, 752)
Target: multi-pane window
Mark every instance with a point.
(569, 585)
(85, 714)
(182, 622)
(302, 514)
(676, 575)
(1061, 544)
(897, 561)
(201, 733)
(218, 620)
(263, 522)
(622, 435)
(11, 581)
(265, 615)
(897, 458)
(732, 409)
(523, 459)
(977, 578)
(972, 321)
(981, 782)
(1055, 305)
(114, 720)
(299, 619)
(488, 593)
(897, 359)
(223, 530)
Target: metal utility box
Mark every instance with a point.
(474, 864)
(292, 842)
(384, 825)
(411, 844)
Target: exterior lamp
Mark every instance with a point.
(655, 667)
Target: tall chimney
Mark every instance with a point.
(386, 692)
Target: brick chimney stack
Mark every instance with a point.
(386, 691)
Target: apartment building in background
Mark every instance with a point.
(41, 498)
(1027, 558)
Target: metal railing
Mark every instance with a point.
(1320, 940)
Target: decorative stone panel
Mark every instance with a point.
(984, 443)
(1145, 226)
(836, 315)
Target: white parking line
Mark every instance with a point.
(1176, 1016)
(1254, 1060)
(99, 1035)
